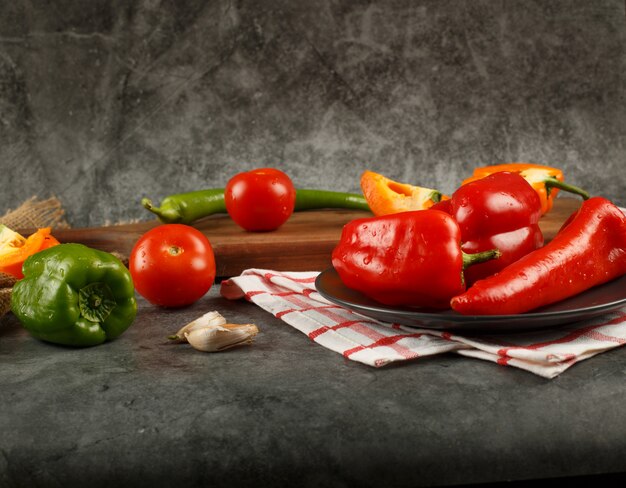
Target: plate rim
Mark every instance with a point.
(457, 318)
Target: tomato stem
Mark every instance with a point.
(175, 250)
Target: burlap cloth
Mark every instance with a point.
(32, 214)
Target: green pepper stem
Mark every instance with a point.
(553, 182)
(480, 257)
(96, 301)
(167, 215)
(435, 196)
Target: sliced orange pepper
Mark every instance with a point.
(546, 181)
(385, 196)
(11, 262)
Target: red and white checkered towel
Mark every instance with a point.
(292, 297)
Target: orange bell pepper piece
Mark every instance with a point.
(13, 255)
(545, 180)
(385, 196)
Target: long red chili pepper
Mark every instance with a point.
(589, 250)
(408, 258)
(500, 211)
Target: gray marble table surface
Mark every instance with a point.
(287, 412)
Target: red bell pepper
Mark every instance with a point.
(545, 180)
(408, 258)
(500, 211)
(589, 250)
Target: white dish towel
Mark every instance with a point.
(292, 297)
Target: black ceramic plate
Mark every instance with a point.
(597, 301)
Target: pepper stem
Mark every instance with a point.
(435, 196)
(480, 257)
(96, 301)
(167, 215)
(553, 182)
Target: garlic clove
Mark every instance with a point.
(215, 338)
(208, 319)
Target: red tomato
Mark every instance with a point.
(261, 199)
(172, 265)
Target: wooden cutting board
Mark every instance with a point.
(304, 243)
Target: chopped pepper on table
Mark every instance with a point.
(546, 181)
(408, 258)
(590, 249)
(14, 248)
(386, 196)
(500, 211)
(74, 295)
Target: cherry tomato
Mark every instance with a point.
(261, 199)
(172, 265)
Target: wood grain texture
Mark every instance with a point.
(304, 243)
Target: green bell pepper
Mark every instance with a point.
(74, 295)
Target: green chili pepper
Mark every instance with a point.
(312, 199)
(74, 295)
(186, 208)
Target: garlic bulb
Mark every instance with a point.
(208, 319)
(214, 338)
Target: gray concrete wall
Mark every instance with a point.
(105, 101)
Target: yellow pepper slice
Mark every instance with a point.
(14, 249)
(385, 196)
